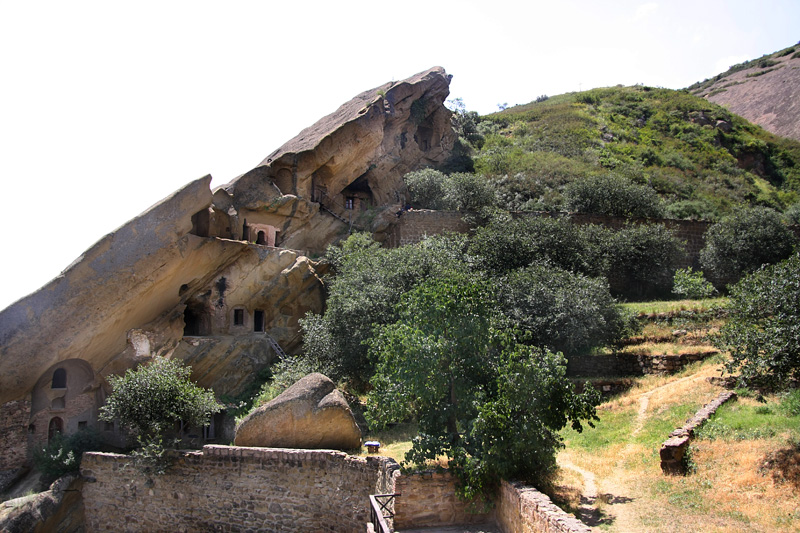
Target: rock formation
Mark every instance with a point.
(312, 413)
(219, 279)
(766, 93)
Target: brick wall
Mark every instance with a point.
(14, 418)
(226, 488)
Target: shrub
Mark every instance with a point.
(642, 260)
(467, 192)
(741, 243)
(763, 329)
(507, 244)
(561, 311)
(62, 455)
(157, 395)
(692, 285)
(426, 188)
(612, 195)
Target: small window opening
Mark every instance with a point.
(258, 320)
(349, 202)
(59, 379)
(238, 317)
(56, 427)
(262, 238)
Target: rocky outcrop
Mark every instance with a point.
(312, 413)
(766, 93)
(216, 278)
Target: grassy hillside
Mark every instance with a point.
(703, 160)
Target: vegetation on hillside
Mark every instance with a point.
(701, 160)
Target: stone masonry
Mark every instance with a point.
(225, 488)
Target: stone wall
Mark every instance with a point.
(626, 364)
(522, 509)
(14, 417)
(226, 488)
(414, 226)
(428, 499)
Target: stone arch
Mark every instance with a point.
(59, 379)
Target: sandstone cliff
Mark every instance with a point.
(216, 278)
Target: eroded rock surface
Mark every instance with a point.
(218, 278)
(312, 413)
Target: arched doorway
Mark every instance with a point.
(55, 427)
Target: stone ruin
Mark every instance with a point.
(218, 279)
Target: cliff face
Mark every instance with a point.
(765, 91)
(210, 277)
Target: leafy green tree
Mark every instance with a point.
(427, 188)
(561, 311)
(612, 195)
(468, 192)
(470, 386)
(741, 243)
(762, 333)
(507, 244)
(154, 397)
(642, 260)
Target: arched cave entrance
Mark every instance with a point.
(55, 427)
(59, 379)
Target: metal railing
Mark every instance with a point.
(380, 511)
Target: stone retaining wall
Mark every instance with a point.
(414, 226)
(522, 509)
(226, 488)
(427, 499)
(673, 451)
(626, 364)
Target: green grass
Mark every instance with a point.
(748, 420)
(669, 306)
(612, 428)
(395, 441)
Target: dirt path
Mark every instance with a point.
(609, 500)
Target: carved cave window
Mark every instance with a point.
(349, 202)
(59, 379)
(262, 238)
(238, 317)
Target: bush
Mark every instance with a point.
(426, 188)
(642, 260)
(563, 312)
(153, 398)
(612, 195)
(467, 192)
(763, 329)
(692, 285)
(507, 244)
(62, 455)
(739, 244)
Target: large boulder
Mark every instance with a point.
(312, 413)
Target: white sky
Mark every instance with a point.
(107, 107)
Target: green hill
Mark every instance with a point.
(702, 159)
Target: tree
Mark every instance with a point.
(741, 243)
(154, 397)
(612, 195)
(762, 333)
(427, 188)
(472, 388)
(642, 260)
(561, 311)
